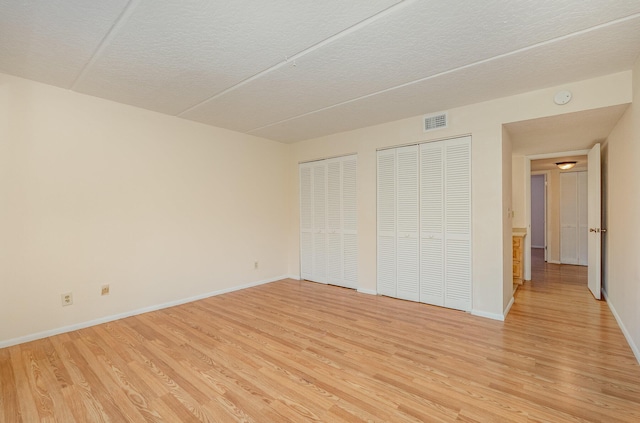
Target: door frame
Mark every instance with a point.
(527, 199)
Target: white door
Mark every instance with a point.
(386, 260)
(573, 218)
(319, 172)
(569, 218)
(594, 219)
(408, 278)
(350, 221)
(583, 230)
(334, 222)
(457, 223)
(306, 221)
(432, 223)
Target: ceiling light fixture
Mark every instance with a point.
(566, 165)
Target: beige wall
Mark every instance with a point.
(490, 203)
(162, 209)
(507, 215)
(622, 240)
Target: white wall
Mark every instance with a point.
(518, 184)
(490, 203)
(162, 209)
(622, 240)
(537, 211)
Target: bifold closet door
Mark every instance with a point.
(350, 221)
(386, 211)
(398, 244)
(328, 221)
(432, 223)
(424, 223)
(445, 223)
(306, 221)
(408, 250)
(319, 172)
(457, 223)
(334, 222)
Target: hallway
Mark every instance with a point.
(578, 350)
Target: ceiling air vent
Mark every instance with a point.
(435, 121)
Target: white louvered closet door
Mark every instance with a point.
(306, 221)
(319, 171)
(432, 223)
(350, 221)
(573, 218)
(583, 231)
(329, 221)
(386, 211)
(408, 277)
(457, 213)
(334, 222)
(424, 223)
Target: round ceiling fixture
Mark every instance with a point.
(562, 97)
(566, 165)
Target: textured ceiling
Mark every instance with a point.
(292, 70)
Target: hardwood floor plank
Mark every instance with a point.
(8, 390)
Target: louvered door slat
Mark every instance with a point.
(408, 278)
(458, 194)
(458, 274)
(431, 270)
(334, 221)
(386, 214)
(306, 222)
(457, 213)
(432, 223)
(319, 222)
(350, 221)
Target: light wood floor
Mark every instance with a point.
(299, 351)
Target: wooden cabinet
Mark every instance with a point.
(518, 247)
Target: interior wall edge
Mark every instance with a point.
(627, 335)
(486, 315)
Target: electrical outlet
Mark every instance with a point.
(255, 264)
(67, 299)
(104, 290)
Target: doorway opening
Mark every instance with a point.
(573, 233)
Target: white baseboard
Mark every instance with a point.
(508, 308)
(493, 316)
(294, 277)
(553, 262)
(537, 246)
(368, 291)
(106, 319)
(625, 332)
